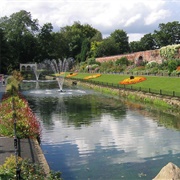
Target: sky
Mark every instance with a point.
(135, 17)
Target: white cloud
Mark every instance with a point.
(155, 16)
(132, 19)
(135, 36)
(139, 16)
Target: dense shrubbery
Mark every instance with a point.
(16, 107)
(123, 65)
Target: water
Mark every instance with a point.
(89, 136)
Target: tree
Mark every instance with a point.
(19, 29)
(121, 39)
(84, 50)
(168, 34)
(148, 42)
(4, 55)
(135, 46)
(45, 41)
(108, 47)
(75, 35)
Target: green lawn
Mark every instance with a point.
(153, 82)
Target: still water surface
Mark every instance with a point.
(86, 135)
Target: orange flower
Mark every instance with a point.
(72, 74)
(93, 76)
(132, 80)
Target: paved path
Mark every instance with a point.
(26, 149)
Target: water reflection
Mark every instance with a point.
(97, 137)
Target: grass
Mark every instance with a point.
(153, 82)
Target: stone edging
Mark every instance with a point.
(41, 158)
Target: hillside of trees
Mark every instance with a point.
(23, 40)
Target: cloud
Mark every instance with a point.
(135, 17)
(132, 20)
(156, 16)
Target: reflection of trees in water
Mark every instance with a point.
(76, 110)
(163, 115)
(83, 110)
(45, 107)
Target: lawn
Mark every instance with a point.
(163, 83)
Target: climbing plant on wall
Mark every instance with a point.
(170, 51)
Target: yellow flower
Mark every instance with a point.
(133, 80)
(92, 76)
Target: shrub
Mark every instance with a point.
(16, 107)
(28, 170)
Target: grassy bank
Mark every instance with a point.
(154, 82)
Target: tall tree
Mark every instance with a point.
(4, 52)
(121, 39)
(107, 47)
(19, 31)
(148, 42)
(46, 42)
(75, 36)
(168, 34)
(135, 46)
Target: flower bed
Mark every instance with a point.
(27, 125)
(132, 80)
(92, 76)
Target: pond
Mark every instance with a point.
(87, 135)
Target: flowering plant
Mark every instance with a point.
(132, 80)
(93, 76)
(16, 108)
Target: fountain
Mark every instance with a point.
(59, 68)
(38, 69)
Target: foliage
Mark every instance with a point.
(28, 171)
(122, 61)
(13, 82)
(108, 47)
(170, 51)
(167, 34)
(16, 107)
(172, 64)
(23, 41)
(121, 41)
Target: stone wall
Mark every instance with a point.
(151, 55)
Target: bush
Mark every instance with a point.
(27, 169)
(16, 107)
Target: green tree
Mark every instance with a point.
(108, 47)
(46, 40)
(75, 35)
(168, 34)
(19, 31)
(135, 46)
(121, 39)
(84, 50)
(4, 52)
(148, 42)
